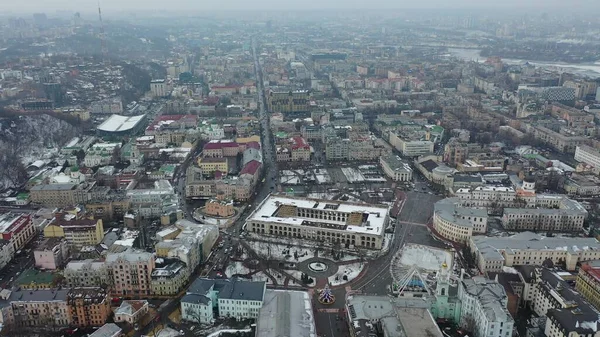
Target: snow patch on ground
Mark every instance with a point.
(351, 271)
(280, 251)
(236, 267)
(352, 175)
(218, 333)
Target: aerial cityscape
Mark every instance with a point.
(254, 169)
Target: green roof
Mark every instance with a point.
(167, 168)
(23, 196)
(30, 276)
(437, 128)
(74, 168)
(281, 135)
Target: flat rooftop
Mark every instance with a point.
(375, 216)
(532, 241)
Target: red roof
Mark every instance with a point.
(215, 145)
(251, 167)
(253, 145)
(299, 142)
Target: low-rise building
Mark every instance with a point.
(87, 273)
(101, 154)
(484, 308)
(88, 307)
(131, 311)
(582, 185)
(221, 208)
(236, 298)
(108, 330)
(382, 315)
(35, 279)
(395, 168)
(51, 254)
(492, 253)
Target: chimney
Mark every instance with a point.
(462, 273)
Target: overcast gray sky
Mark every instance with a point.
(51, 6)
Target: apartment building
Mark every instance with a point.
(88, 307)
(188, 242)
(484, 308)
(130, 272)
(159, 88)
(455, 152)
(220, 148)
(311, 132)
(237, 298)
(43, 308)
(323, 220)
(288, 101)
(295, 149)
(60, 195)
(6, 253)
(18, 230)
(51, 254)
(337, 148)
(210, 165)
(170, 279)
(588, 282)
(395, 168)
(411, 146)
(527, 248)
(562, 143)
(87, 273)
(78, 227)
(568, 218)
(457, 223)
(588, 155)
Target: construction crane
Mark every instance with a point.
(103, 48)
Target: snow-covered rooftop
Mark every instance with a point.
(117, 123)
(375, 221)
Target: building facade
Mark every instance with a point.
(527, 248)
(323, 220)
(484, 308)
(87, 273)
(51, 254)
(130, 272)
(80, 229)
(235, 298)
(18, 230)
(395, 168)
(88, 307)
(457, 223)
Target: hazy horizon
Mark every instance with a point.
(36, 6)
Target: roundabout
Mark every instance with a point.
(318, 267)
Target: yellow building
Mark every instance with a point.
(169, 280)
(210, 165)
(78, 228)
(588, 282)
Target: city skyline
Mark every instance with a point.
(238, 5)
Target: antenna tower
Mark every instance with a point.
(103, 48)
